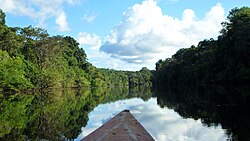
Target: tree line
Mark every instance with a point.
(32, 59)
(224, 60)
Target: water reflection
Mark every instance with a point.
(228, 106)
(173, 113)
(56, 115)
(53, 116)
(163, 124)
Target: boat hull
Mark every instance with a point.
(122, 127)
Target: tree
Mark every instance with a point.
(12, 74)
(2, 18)
(213, 61)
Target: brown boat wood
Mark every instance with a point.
(122, 127)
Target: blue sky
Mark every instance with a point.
(124, 34)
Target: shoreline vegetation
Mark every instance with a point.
(225, 60)
(31, 59)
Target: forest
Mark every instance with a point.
(31, 59)
(222, 60)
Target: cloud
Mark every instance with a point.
(91, 43)
(146, 35)
(87, 39)
(90, 17)
(170, 125)
(62, 23)
(39, 10)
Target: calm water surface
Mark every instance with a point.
(163, 124)
(176, 113)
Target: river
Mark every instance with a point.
(173, 113)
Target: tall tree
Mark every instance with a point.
(2, 17)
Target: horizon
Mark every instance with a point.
(125, 35)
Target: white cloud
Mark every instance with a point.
(90, 17)
(62, 23)
(146, 35)
(91, 43)
(170, 126)
(17, 8)
(87, 39)
(40, 10)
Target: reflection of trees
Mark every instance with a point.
(13, 115)
(113, 94)
(57, 115)
(142, 92)
(225, 105)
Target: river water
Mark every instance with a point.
(163, 124)
(176, 113)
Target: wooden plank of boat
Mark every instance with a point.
(122, 127)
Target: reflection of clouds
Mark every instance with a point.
(162, 123)
(104, 112)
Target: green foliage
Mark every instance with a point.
(9, 41)
(14, 113)
(127, 78)
(225, 60)
(12, 73)
(2, 18)
(31, 59)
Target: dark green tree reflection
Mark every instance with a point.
(56, 115)
(225, 105)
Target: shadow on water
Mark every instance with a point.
(60, 115)
(57, 115)
(228, 106)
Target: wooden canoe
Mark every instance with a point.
(122, 127)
